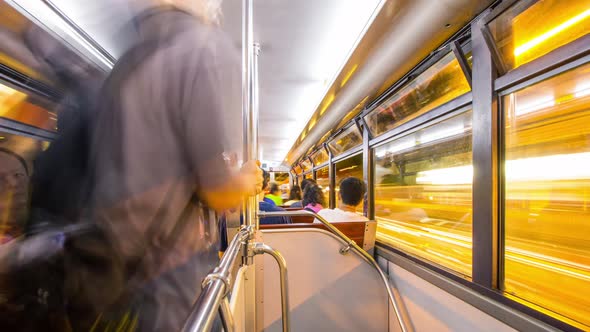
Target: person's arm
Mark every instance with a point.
(203, 106)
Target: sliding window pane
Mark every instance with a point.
(439, 84)
(531, 29)
(346, 140)
(306, 165)
(320, 157)
(547, 193)
(423, 185)
(350, 167)
(323, 180)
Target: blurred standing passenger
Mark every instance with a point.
(158, 158)
(294, 195)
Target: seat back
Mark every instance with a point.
(362, 232)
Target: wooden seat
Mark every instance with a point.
(362, 232)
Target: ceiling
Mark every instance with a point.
(304, 44)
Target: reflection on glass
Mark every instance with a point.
(282, 177)
(320, 157)
(17, 154)
(526, 32)
(350, 167)
(346, 140)
(323, 180)
(306, 164)
(18, 106)
(298, 170)
(439, 84)
(547, 213)
(423, 187)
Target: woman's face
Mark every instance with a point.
(14, 193)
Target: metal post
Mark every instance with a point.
(368, 161)
(261, 248)
(332, 179)
(485, 163)
(249, 102)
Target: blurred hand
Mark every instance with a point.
(252, 176)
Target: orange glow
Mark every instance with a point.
(527, 46)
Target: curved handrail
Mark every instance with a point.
(215, 287)
(400, 312)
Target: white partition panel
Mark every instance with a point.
(433, 309)
(328, 291)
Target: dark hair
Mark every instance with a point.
(265, 179)
(295, 193)
(352, 191)
(306, 182)
(274, 187)
(312, 194)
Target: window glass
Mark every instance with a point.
(423, 185)
(320, 157)
(531, 29)
(547, 194)
(350, 167)
(306, 164)
(346, 140)
(298, 170)
(17, 155)
(19, 106)
(439, 84)
(323, 180)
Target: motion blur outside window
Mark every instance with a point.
(323, 180)
(423, 184)
(531, 29)
(346, 140)
(22, 107)
(350, 167)
(320, 157)
(439, 84)
(547, 195)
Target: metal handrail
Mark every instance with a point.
(400, 311)
(261, 248)
(215, 288)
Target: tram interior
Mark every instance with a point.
(468, 122)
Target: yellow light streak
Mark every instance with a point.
(348, 75)
(551, 33)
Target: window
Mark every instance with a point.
(346, 140)
(323, 180)
(282, 177)
(547, 194)
(437, 85)
(17, 154)
(298, 170)
(423, 185)
(320, 157)
(350, 167)
(528, 31)
(19, 106)
(306, 164)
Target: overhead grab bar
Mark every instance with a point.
(400, 311)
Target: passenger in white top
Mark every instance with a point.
(352, 191)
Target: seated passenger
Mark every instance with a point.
(352, 191)
(294, 196)
(274, 195)
(262, 206)
(313, 198)
(304, 184)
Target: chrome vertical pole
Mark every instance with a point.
(249, 111)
